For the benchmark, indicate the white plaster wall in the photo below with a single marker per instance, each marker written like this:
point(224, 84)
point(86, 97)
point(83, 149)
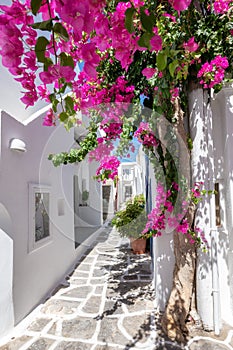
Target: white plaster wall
point(202, 170)
point(136, 179)
point(6, 272)
point(90, 215)
point(37, 272)
point(108, 203)
point(163, 268)
point(223, 141)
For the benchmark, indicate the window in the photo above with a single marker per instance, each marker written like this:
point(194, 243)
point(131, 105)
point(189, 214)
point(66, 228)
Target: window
point(126, 171)
point(39, 216)
point(217, 205)
point(128, 192)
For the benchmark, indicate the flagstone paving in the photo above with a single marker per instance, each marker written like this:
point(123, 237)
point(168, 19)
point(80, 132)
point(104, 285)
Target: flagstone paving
point(107, 304)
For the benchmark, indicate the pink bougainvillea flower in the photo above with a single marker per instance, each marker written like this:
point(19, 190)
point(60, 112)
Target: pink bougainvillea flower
point(156, 43)
point(221, 6)
point(213, 73)
point(180, 5)
point(174, 93)
point(56, 72)
point(172, 18)
point(29, 98)
point(190, 45)
point(145, 135)
point(149, 72)
point(183, 227)
point(49, 119)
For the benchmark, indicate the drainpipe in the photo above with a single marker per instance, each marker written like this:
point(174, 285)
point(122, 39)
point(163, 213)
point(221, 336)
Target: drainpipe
point(215, 279)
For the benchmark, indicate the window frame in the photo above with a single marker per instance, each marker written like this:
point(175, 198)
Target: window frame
point(34, 189)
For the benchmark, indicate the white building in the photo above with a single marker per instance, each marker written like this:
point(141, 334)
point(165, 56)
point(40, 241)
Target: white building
point(40, 237)
point(131, 181)
point(211, 129)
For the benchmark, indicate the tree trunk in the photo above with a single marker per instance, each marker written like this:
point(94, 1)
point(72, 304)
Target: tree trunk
point(180, 301)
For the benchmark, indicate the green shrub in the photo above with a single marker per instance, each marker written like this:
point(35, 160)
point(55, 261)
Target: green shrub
point(131, 221)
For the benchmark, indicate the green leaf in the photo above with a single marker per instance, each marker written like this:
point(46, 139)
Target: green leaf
point(159, 110)
point(40, 48)
point(61, 31)
point(172, 67)
point(52, 97)
point(129, 13)
point(190, 143)
point(63, 116)
point(54, 101)
point(161, 61)
point(69, 105)
point(148, 22)
point(45, 25)
point(35, 6)
point(66, 60)
point(62, 88)
point(54, 105)
point(47, 62)
point(144, 41)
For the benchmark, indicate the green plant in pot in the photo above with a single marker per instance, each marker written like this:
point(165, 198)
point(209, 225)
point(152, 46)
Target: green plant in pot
point(131, 221)
point(85, 196)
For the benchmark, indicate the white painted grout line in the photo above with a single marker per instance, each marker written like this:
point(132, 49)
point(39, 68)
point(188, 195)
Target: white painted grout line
point(216, 341)
point(54, 345)
point(229, 336)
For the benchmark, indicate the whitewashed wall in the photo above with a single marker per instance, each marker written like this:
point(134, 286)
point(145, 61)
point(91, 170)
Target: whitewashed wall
point(135, 179)
point(222, 107)
point(91, 214)
point(212, 130)
point(35, 272)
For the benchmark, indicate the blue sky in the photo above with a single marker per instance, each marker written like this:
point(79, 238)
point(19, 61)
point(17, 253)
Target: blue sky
point(133, 155)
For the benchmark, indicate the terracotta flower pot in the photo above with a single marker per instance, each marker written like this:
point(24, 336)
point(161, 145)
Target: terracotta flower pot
point(138, 245)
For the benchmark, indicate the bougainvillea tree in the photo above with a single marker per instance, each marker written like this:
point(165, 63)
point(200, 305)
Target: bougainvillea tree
point(138, 60)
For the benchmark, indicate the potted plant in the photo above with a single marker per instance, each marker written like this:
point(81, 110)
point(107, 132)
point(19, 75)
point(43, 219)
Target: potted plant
point(85, 196)
point(131, 221)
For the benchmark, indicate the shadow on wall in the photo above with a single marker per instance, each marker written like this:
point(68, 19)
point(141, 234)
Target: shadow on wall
point(6, 272)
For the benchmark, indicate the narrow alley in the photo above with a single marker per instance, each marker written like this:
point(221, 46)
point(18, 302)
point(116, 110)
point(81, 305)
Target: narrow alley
point(107, 303)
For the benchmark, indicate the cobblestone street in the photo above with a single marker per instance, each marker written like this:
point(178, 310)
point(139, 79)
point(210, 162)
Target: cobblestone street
point(108, 303)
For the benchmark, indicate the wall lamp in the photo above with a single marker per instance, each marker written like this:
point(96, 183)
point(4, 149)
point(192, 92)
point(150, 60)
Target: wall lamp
point(17, 145)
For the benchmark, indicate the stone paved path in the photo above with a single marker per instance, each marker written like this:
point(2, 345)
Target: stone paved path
point(108, 304)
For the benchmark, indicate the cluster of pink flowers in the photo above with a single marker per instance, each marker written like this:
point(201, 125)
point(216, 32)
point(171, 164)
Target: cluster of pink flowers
point(156, 219)
point(163, 216)
point(49, 119)
point(91, 93)
point(14, 27)
point(213, 73)
point(196, 190)
point(221, 6)
point(81, 20)
point(56, 72)
point(149, 72)
point(108, 168)
point(103, 149)
point(124, 43)
point(174, 93)
point(145, 135)
point(111, 129)
point(180, 5)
